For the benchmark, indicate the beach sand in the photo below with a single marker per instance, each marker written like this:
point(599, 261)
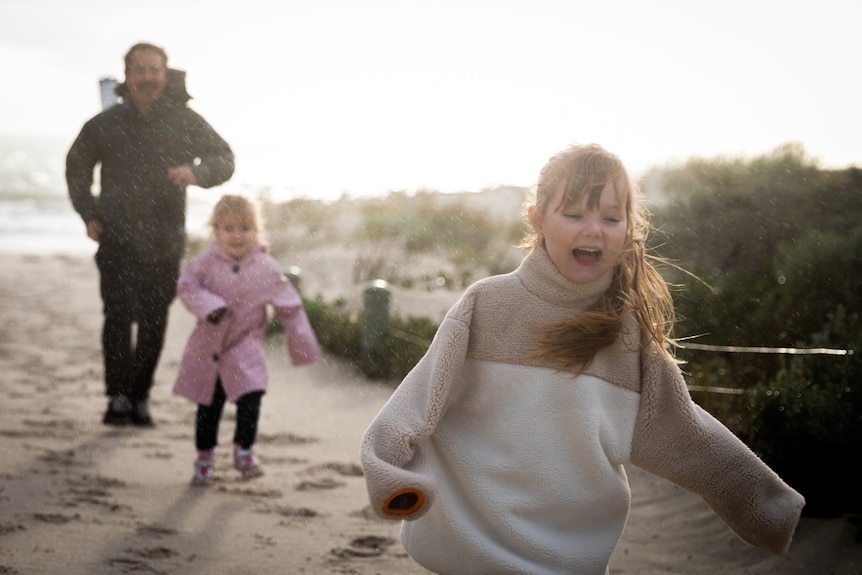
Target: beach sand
point(77, 497)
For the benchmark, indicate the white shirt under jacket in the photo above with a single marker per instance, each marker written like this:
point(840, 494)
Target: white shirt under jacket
point(521, 465)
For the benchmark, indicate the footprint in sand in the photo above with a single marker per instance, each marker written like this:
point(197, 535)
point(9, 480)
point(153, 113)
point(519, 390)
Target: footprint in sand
point(89, 496)
point(364, 547)
point(54, 429)
point(264, 540)
point(65, 458)
point(123, 565)
point(164, 455)
point(154, 450)
point(155, 531)
point(285, 439)
point(95, 482)
point(251, 492)
point(367, 514)
point(95, 497)
point(281, 460)
point(287, 511)
point(8, 528)
point(321, 483)
point(153, 552)
point(328, 482)
point(56, 518)
point(93, 490)
point(345, 469)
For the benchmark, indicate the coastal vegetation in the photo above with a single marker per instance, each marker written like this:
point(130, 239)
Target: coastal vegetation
point(773, 247)
point(766, 275)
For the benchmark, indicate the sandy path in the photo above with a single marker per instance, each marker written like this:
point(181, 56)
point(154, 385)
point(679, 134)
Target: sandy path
point(77, 497)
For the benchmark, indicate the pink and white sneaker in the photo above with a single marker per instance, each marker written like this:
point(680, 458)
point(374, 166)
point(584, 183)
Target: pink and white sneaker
point(246, 463)
point(204, 469)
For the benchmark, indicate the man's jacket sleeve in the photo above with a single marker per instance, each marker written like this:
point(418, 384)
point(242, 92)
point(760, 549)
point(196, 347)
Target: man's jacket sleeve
point(81, 160)
point(216, 159)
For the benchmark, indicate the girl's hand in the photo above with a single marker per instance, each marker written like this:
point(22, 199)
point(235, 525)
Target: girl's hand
point(215, 316)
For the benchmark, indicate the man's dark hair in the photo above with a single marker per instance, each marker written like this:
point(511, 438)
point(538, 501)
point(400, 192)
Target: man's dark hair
point(145, 47)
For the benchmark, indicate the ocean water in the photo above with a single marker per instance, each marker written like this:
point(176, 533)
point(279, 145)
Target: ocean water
point(36, 215)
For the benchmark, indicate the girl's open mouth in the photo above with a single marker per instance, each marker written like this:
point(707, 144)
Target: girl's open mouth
point(586, 256)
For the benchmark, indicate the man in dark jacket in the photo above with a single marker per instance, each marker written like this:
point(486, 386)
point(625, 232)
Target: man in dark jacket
point(151, 147)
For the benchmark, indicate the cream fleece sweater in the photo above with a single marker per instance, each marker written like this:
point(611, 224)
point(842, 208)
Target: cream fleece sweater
point(500, 465)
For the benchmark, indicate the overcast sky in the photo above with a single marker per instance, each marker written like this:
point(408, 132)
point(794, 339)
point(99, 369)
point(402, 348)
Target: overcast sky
point(331, 96)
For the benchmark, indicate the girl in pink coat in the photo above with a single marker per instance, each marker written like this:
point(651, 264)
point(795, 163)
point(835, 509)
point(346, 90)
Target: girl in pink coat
point(228, 288)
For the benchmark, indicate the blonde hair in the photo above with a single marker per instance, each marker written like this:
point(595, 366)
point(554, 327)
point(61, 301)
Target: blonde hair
point(636, 286)
point(246, 209)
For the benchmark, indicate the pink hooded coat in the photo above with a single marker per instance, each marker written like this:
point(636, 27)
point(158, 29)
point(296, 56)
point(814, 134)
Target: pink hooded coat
point(232, 349)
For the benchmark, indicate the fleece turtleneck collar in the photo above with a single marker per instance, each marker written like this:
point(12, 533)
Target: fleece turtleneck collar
point(542, 278)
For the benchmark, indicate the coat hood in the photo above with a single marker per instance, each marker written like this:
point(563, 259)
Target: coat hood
point(175, 93)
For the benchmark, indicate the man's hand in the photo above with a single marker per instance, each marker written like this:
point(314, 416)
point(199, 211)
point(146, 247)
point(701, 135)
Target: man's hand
point(94, 230)
point(182, 176)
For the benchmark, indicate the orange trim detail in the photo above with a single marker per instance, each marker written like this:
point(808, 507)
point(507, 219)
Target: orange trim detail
point(420, 500)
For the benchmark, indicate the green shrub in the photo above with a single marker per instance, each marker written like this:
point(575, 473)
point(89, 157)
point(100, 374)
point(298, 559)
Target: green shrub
point(778, 244)
point(400, 349)
point(472, 241)
point(336, 329)
point(807, 423)
point(339, 333)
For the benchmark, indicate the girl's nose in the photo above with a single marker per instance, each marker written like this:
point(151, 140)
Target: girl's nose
point(592, 227)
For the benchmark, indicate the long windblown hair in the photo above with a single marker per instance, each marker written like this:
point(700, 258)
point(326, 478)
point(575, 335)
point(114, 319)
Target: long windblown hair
point(636, 286)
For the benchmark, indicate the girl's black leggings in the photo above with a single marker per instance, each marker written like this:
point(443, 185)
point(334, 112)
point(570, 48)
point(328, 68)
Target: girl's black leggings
point(209, 417)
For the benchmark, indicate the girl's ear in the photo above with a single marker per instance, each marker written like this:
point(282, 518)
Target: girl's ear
point(535, 218)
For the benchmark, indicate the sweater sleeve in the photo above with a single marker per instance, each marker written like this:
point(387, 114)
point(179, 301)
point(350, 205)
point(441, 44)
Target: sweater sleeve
point(389, 451)
point(190, 289)
point(677, 440)
point(302, 345)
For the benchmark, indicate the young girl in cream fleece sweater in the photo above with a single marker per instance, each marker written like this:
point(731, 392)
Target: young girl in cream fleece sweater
point(504, 448)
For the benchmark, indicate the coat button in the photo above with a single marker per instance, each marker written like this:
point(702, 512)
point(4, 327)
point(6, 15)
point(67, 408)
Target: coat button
point(215, 357)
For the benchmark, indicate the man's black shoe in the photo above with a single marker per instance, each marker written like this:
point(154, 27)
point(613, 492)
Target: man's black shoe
point(140, 414)
point(119, 411)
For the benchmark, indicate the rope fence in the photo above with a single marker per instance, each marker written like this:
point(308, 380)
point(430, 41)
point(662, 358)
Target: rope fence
point(782, 350)
point(754, 349)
